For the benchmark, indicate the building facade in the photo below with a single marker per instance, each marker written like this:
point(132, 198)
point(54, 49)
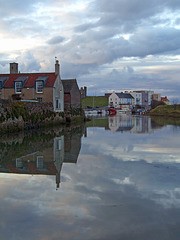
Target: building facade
point(72, 96)
point(43, 87)
point(83, 92)
point(120, 100)
point(156, 97)
point(137, 98)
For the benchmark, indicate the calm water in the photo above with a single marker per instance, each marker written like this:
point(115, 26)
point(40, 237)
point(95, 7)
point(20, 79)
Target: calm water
point(116, 178)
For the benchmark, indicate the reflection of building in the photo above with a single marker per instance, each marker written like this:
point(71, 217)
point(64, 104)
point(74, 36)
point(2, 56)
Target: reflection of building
point(122, 122)
point(141, 124)
point(125, 122)
point(47, 160)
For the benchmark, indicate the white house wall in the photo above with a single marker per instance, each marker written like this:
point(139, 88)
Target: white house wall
point(58, 93)
point(114, 99)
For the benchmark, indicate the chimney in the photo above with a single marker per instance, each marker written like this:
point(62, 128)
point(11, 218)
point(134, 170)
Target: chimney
point(13, 68)
point(57, 68)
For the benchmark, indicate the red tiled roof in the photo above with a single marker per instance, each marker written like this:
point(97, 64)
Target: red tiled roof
point(164, 99)
point(30, 82)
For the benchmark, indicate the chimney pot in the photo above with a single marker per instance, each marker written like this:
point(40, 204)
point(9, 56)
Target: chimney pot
point(13, 68)
point(57, 68)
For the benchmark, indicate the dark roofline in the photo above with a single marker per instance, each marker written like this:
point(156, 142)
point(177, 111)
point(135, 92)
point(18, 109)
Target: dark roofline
point(124, 95)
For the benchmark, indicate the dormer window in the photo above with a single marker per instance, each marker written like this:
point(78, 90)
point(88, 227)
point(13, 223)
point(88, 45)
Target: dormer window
point(39, 86)
point(18, 87)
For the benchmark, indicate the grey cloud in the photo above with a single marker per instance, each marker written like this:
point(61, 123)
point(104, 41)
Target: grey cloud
point(154, 41)
point(84, 27)
point(137, 9)
point(15, 7)
point(127, 15)
point(97, 39)
point(178, 21)
point(77, 70)
point(128, 69)
point(30, 63)
point(56, 40)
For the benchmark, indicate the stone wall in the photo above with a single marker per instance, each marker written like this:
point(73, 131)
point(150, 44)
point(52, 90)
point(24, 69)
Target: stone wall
point(32, 107)
point(17, 115)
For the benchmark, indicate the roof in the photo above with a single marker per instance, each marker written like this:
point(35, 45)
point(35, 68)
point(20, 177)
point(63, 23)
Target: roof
point(68, 84)
point(124, 95)
point(164, 99)
point(28, 79)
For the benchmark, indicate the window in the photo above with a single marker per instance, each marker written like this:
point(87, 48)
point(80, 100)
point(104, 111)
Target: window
point(39, 86)
point(0, 84)
point(39, 99)
point(18, 87)
point(19, 163)
point(40, 162)
point(58, 103)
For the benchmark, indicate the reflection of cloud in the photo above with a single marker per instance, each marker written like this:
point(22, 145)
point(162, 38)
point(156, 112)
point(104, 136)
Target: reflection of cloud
point(126, 180)
point(103, 196)
point(168, 199)
point(157, 147)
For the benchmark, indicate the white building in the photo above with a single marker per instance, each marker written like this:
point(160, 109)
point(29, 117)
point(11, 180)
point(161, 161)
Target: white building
point(120, 100)
point(137, 98)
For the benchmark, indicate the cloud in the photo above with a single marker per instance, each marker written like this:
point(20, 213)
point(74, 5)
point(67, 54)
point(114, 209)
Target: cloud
point(56, 40)
point(91, 38)
point(30, 63)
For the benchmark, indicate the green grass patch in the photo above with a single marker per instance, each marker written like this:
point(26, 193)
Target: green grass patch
point(95, 101)
point(166, 110)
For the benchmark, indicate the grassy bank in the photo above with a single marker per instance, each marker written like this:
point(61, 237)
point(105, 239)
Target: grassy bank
point(166, 111)
point(95, 101)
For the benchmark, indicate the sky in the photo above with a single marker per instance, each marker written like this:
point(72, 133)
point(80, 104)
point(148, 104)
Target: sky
point(106, 45)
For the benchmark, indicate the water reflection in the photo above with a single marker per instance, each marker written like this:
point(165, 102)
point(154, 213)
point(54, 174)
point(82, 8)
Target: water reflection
point(118, 185)
point(134, 124)
point(41, 153)
point(126, 123)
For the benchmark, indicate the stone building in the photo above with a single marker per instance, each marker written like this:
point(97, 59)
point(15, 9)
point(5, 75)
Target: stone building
point(72, 96)
point(83, 92)
point(43, 87)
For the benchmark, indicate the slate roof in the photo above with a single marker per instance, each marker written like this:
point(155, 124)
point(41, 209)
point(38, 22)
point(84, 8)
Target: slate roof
point(68, 84)
point(124, 95)
point(28, 79)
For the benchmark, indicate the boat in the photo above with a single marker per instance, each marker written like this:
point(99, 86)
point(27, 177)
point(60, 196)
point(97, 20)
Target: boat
point(112, 112)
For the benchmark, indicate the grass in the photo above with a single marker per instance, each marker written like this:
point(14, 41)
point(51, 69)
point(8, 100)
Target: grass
point(166, 110)
point(95, 101)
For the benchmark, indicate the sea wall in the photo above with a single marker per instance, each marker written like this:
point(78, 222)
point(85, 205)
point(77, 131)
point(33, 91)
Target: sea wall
point(17, 115)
